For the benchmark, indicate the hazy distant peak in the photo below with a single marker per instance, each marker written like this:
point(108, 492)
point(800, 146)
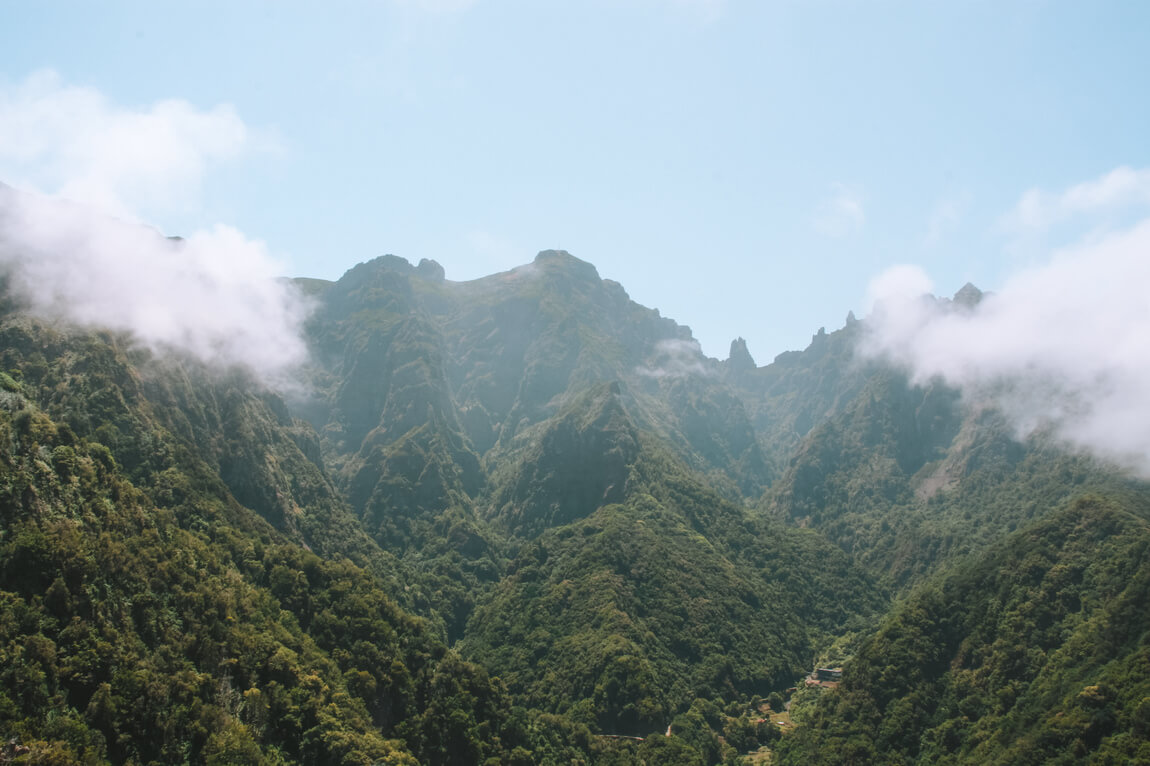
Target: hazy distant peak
point(561, 259)
point(740, 358)
point(430, 270)
point(389, 262)
point(427, 269)
point(968, 296)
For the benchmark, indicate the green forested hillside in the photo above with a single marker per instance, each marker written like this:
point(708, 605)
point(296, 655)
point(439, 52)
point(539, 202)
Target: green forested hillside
point(1036, 652)
point(908, 478)
point(525, 520)
point(148, 617)
point(666, 594)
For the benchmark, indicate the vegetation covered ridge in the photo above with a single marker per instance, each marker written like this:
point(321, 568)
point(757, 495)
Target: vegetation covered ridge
point(525, 520)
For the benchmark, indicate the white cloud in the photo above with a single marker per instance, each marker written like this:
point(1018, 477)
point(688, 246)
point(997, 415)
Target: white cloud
point(897, 285)
point(842, 213)
point(1064, 345)
point(214, 295)
point(1120, 190)
point(675, 358)
point(70, 141)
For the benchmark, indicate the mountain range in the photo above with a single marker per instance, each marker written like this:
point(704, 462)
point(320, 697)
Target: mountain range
point(523, 519)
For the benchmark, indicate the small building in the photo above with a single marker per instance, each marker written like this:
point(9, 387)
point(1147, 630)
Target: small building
point(828, 674)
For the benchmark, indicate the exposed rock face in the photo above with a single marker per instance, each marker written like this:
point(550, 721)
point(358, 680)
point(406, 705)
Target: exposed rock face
point(740, 359)
point(567, 263)
point(430, 270)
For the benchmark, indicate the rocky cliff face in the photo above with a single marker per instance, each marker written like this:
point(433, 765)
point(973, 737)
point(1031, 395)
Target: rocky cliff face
point(424, 381)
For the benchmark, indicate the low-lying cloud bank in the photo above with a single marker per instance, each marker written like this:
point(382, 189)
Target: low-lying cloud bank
point(1064, 345)
point(215, 296)
point(72, 248)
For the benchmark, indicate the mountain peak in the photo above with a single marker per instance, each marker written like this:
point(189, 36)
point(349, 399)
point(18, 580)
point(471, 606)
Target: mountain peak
point(430, 270)
point(968, 296)
point(392, 263)
point(561, 259)
point(740, 358)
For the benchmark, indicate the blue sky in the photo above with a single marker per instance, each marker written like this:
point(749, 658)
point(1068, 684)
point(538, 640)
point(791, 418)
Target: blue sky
point(745, 167)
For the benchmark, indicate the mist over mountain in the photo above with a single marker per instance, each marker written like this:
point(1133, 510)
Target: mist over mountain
point(215, 296)
point(524, 519)
point(1061, 346)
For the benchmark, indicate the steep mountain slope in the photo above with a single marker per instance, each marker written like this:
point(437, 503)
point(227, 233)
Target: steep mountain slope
point(580, 461)
point(147, 616)
point(799, 390)
point(586, 410)
point(649, 590)
point(1035, 653)
point(910, 478)
point(477, 363)
point(429, 390)
point(161, 415)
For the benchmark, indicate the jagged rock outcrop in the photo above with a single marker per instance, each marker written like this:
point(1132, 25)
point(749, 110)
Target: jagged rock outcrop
point(739, 359)
point(968, 296)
